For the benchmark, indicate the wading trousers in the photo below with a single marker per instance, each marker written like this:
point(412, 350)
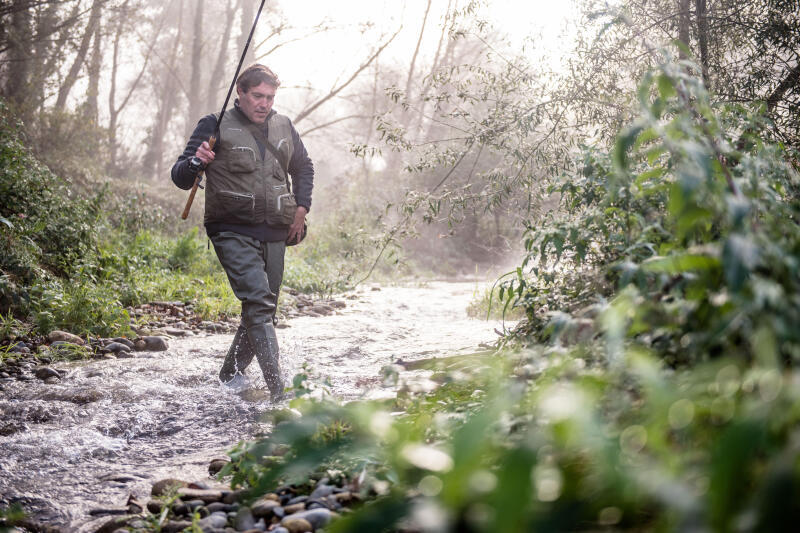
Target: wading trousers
point(255, 273)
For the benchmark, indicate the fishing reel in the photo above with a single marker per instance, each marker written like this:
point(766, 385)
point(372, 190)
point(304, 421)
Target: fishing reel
point(196, 166)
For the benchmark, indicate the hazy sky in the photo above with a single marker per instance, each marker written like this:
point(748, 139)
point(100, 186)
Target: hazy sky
point(319, 60)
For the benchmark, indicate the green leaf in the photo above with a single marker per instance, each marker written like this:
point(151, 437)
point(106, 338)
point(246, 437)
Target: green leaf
point(666, 86)
point(676, 264)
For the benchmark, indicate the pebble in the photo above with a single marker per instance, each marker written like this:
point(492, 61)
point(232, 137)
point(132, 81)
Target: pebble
point(161, 487)
point(317, 518)
point(264, 508)
point(155, 343)
point(207, 496)
point(58, 335)
point(123, 340)
point(298, 499)
point(216, 465)
point(117, 347)
point(321, 491)
point(45, 372)
point(174, 526)
point(297, 525)
point(217, 520)
point(294, 508)
point(244, 520)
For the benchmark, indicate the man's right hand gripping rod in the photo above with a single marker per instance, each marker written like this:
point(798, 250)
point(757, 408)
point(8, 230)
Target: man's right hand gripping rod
point(197, 180)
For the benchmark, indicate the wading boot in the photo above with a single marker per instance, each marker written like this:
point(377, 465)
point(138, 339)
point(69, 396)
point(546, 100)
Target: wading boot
point(240, 354)
point(265, 345)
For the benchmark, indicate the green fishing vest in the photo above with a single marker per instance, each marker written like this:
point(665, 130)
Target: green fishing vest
point(241, 186)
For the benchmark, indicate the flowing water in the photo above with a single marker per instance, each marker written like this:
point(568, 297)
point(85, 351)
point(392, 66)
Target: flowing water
point(111, 428)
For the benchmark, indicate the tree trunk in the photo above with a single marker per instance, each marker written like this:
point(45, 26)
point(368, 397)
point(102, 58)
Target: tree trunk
point(248, 14)
point(15, 88)
point(153, 162)
point(196, 74)
point(80, 56)
point(416, 52)
point(701, 11)
point(218, 81)
point(683, 26)
point(95, 64)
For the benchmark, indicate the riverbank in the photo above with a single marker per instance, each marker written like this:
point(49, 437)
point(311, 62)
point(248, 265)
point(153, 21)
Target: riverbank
point(111, 428)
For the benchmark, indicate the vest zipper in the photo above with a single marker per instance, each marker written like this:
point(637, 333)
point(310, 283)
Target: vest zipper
point(241, 196)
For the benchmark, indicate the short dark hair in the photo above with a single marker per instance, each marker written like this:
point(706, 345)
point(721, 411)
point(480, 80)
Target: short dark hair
point(256, 74)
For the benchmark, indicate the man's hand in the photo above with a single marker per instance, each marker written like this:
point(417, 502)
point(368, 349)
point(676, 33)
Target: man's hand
point(296, 229)
point(204, 153)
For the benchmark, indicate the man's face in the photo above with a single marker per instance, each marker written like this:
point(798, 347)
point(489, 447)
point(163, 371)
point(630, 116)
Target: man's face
point(257, 102)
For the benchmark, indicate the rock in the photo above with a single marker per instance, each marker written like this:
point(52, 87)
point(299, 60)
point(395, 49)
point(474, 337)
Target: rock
point(278, 512)
point(52, 380)
point(294, 508)
point(220, 507)
point(296, 525)
point(317, 518)
point(123, 340)
point(107, 512)
point(155, 344)
point(321, 491)
point(233, 497)
point(208, 496)
point(280, 530)
point(174, 526)
point(114, 524)
point(217, 520)
point(58, 335)
point(337, 304)
point(263, 508)
point(297, 499)
point(344, 497)
point(139, 345)
point(244, 519)
point(163, 486)
point(176, 332)
point(216, 465)
point(45, 372)
point(117, 347)
point(155, 506)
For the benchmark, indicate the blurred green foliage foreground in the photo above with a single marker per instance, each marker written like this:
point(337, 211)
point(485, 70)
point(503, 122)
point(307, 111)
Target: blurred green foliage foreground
point(653, 384)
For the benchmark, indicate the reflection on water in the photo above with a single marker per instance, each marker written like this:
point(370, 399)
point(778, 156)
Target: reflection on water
point(112, 427)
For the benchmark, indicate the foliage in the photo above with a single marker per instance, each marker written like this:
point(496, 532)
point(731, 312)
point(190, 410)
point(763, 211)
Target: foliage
point(668, 286)
point(67, 264)
point(692, 217)
point(560, 446)
point(10, 517)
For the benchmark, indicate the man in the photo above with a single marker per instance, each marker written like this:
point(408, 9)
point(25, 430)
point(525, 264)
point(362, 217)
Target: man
point(252, 211)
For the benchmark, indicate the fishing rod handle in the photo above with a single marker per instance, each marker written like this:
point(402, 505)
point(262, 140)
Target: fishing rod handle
point(197, 180)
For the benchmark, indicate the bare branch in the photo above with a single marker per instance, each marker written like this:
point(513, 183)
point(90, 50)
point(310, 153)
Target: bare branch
point(333, 92)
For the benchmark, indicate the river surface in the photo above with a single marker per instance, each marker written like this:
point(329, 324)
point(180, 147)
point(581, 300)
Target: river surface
point(111, 428)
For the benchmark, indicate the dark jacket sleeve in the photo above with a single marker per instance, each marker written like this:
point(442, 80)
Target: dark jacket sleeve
point(181, 175)
point(301, 168)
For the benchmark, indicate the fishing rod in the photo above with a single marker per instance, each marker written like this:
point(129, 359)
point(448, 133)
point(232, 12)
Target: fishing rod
point(195, 161)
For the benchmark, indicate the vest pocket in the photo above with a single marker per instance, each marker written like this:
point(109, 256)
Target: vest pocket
point(241, 160)
point(281, 205)
point(237, 207)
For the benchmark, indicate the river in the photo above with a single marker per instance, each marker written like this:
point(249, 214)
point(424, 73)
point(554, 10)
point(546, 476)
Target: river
point(111, 428)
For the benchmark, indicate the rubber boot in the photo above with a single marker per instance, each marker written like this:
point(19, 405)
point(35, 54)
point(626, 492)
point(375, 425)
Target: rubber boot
point(265, 345)
point(240, 354)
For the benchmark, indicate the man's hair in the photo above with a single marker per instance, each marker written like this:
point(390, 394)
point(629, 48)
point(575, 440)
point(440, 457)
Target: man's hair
point(254, 75)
